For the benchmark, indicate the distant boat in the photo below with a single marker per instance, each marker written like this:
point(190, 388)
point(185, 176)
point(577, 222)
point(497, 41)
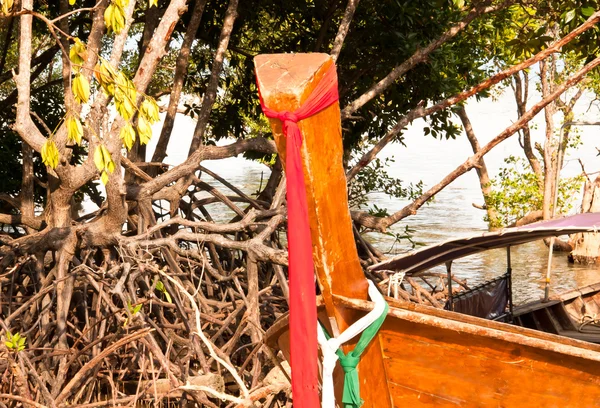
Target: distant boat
point(421, 356)
point(574, 314)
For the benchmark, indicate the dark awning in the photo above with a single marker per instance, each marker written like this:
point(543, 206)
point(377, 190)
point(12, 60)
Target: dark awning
point(434, 255)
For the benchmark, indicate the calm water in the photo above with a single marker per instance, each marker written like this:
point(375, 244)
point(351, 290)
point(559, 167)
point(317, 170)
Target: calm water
point(451, 214)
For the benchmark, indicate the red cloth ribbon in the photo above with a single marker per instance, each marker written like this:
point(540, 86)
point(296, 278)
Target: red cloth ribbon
point(303, 302)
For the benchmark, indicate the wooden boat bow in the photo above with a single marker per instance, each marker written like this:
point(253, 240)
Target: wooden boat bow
point(422, 357)
point(285, 82)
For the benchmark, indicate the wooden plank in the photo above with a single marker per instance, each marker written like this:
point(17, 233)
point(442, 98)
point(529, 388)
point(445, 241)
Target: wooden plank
point(563, 317)
point(446, 319)
point(432, 367)
point(530, 307)
point(286, 81)
point(405, 396)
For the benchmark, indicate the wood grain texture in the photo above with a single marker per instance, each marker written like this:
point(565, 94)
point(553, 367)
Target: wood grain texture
point(286, 81)
point(432, 367)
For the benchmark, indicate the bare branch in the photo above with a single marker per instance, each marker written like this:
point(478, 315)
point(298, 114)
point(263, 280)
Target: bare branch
point(343, 30)
point(211, 90)
point(180, 73)
point(193, 163)
point(24, 126)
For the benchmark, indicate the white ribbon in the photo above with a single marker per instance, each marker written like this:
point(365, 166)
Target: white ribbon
point(395, 281)
point(329, 347)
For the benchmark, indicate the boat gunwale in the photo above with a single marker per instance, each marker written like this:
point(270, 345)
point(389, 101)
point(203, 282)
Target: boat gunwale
point(445, 319)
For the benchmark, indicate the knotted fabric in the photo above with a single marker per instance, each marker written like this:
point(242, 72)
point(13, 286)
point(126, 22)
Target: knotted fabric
point(367, 326)
point(303, 303)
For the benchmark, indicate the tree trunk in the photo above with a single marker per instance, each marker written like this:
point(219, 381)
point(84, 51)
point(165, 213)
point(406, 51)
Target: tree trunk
point(521, 90)
point(484, 178)
point(587, 246)
point(550, 157)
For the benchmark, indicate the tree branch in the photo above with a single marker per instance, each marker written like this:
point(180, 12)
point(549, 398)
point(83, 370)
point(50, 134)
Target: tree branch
point(180, 73)
point(24, 125)
point(420, 111)
point(411, 209)
point(211, 90)
point(193, 162)
point(344, 28)
point(419, 56)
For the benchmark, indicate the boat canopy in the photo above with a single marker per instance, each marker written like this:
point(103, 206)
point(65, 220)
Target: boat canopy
point(430, 256)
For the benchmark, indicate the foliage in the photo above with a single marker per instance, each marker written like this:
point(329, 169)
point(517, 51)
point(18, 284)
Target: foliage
point(374, 178)
point(160, 286)
point(15, 342)
point(516, 192)
point(407, 234)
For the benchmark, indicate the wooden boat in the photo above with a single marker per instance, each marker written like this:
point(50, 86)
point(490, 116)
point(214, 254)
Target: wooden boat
point(421, 356)
point(574, 314)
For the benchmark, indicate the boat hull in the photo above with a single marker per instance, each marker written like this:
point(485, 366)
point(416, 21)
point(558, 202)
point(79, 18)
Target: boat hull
point(437, 358)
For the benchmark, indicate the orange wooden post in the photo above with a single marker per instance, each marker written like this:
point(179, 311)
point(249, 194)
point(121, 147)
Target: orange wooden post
point(285, 81)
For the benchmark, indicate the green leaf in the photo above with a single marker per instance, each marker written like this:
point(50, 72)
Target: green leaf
point(160, 286)
point(15, 342)
point(569, 15)
point(587, 11)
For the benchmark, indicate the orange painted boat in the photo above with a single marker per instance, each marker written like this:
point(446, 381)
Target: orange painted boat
point(421, 356)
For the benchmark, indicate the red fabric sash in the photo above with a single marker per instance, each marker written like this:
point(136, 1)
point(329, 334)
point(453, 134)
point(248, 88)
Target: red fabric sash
point(303, 310)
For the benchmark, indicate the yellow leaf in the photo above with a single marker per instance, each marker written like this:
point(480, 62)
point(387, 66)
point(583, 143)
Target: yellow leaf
point(72, 2)
point(150, 109)
point(118, 17)
point(154, 3)
point(144, 130)
point(6, 5)
point(49, 154)
point(121, 3)
point(78, 53)
point(81, 88)
point(125, 96)
point(104, 178)
point(109, 165)
point(99, 158)
point(75, 130)
point(106, 75)
point(127, 134)
point(124, 107)
point(105, 155)
point(108, 17)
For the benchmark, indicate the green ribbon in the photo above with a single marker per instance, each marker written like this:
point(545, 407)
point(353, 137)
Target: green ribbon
point(349, 362)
